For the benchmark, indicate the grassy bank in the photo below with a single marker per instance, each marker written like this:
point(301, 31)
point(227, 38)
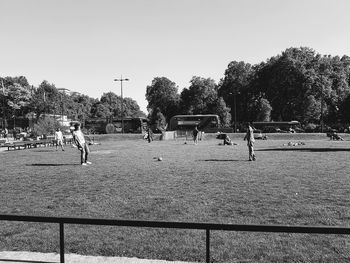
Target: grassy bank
point(301, 185)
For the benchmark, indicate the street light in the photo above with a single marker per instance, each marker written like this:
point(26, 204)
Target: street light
point(63, 91)
point(121, 93)
point(3, 122)
point(235, 109)
point(322, 110)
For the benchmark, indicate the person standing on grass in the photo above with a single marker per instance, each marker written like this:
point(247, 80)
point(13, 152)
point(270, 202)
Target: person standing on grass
point(149, 135)
point(59, 139)
point(14, 134)
point(195, 135)
point(79, 140)
point(249, 136)
point(6, 133)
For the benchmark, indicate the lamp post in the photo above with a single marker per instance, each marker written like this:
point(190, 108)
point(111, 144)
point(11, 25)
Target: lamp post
point(63, 92)
point(322, 110)
point(234, 93)
point(121, 93)
point(61, 109)
point(3, 122)
point(323, 81)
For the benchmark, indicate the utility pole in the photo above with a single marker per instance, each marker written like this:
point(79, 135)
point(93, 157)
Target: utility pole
point(121, 93)
point(234, 100)
point(3, 123)
point(234, 93)
point(322, 109)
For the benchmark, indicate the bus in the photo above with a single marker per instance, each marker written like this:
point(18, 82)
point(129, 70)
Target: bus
point(131, 125)
point(208, 123)
point(277, 126)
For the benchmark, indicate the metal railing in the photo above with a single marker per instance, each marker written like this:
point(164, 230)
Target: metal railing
point(179, 225)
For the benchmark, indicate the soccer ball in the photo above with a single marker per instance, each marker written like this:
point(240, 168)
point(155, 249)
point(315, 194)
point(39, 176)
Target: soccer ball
point(160, 159)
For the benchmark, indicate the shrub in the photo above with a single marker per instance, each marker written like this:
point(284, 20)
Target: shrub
point(45, 126)
point(310, 127)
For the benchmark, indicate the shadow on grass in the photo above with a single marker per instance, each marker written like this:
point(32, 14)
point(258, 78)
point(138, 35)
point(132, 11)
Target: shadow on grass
point(25, 261)
point(44, 151)
point(52, 164)
point(306, 149)
point(222, 160)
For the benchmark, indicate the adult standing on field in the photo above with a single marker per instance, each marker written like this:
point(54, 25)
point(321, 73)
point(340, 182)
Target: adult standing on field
point(195, 134)
point(149, 135)
point(79, 140)
point(249, 136)
point(6, 133)
point(59, 139)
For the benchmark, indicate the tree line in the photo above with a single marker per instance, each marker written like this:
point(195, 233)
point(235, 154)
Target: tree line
point(298, 84)
point(19, 98)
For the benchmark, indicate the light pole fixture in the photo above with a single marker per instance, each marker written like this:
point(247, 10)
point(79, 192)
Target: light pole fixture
point(3, 122)
point(234, 93)
point(321, 122)
point(121, 93)
point(63, 91)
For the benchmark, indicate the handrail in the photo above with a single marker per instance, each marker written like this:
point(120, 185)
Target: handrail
point(179, 225)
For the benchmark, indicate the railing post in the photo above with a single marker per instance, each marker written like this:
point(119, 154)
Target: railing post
point(207, 245)
point(61, 243)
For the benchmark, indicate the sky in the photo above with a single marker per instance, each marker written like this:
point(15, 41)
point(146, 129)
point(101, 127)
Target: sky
point(83, 45)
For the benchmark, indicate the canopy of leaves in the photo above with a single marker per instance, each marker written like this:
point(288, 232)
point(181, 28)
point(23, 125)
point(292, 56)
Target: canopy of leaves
point(162, 95)
point(200, 98)
point(295, 85)
point(45, 126)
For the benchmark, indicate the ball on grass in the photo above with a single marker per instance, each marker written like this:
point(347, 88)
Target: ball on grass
point(160, 158)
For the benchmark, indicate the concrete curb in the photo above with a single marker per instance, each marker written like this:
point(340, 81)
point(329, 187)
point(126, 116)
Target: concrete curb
point(35, 257)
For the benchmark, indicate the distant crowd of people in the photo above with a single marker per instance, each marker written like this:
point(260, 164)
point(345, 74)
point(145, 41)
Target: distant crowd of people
point(79, 141)
point(16, 134)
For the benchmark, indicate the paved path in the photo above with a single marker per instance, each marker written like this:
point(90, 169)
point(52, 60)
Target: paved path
point(35, 257)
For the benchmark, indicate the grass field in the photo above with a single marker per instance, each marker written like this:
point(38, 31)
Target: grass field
point(301, 185)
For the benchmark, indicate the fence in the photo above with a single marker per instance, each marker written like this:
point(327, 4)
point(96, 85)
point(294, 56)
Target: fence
point(179, 225)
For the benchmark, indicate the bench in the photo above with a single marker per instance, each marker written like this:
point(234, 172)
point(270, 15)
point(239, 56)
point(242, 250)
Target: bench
point(17, 145)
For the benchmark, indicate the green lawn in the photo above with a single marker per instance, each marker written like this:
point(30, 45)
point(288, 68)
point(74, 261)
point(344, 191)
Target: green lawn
point(301, 185)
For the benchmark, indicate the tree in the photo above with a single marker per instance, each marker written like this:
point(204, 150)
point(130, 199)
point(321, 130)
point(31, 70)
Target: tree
point(286, 81)
point(110, 106)
point(263, 110)
point(336, 74)
point(46, 125)
point(158, 120)
point(237, 82)
point(224, 113)
point(200, 98)
point(312, 110)
point(162, 96)
point(345, 110)
point(21, 80)
point(45, 99)
point(132, 109)
point(17, 98)
point(100, 110)
point(82, 107)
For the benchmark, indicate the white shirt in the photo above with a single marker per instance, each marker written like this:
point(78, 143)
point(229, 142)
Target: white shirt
point(58, 135)
point(79, 137)
point(250, 135)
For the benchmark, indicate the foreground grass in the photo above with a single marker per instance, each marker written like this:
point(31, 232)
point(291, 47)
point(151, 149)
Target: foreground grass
point(303, 185)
